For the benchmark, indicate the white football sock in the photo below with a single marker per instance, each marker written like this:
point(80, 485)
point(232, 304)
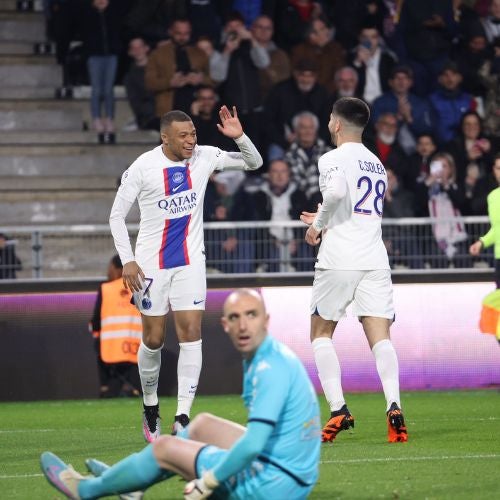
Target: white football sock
point(188, 374)
point(328, 367)
point(149, 363)
point(388, 370)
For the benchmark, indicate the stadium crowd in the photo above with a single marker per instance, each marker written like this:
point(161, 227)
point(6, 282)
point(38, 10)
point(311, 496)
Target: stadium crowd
point(429, 69)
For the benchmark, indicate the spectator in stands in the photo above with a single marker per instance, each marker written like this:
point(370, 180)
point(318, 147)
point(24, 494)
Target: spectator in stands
point(280, 199)
point(491, 23)
point(385, 144)
point(446, 199)
point(428, 27)
point(302, 92)
point(320, 47)
point(490, 76)
point(351, 15)
point(471, 150)
point(413, 113)
point(117, 331)
point(449, 103)
point(492, 237)
point(400, 241)
point(470, 58)
point(205, 115)
point(478, 203)
point(141, 100)
point(346, 83)
point(292, 18)
point(303, 155)
point(205, 17)
point(373, 62)
point(9, 262)
point(148, 19)
point(175, 69)
point(231, 250)
point(238, 71)
point(279, 65)
point(418, 166)
point(101, 41)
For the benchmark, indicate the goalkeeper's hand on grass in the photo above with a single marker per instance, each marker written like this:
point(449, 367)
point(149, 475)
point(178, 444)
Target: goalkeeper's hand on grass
point(203, 487)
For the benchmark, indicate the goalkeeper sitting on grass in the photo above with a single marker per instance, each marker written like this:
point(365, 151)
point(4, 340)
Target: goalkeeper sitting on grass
point(276, 455)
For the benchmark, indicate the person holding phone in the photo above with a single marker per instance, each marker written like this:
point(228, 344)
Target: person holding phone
point(373, 63)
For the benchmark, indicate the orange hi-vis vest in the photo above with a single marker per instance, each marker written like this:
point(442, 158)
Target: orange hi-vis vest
point(121, 325)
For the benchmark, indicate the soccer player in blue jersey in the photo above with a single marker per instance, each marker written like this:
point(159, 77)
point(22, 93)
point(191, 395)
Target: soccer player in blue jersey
point(275, 456)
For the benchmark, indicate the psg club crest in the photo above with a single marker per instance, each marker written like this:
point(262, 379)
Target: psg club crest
point(178, 177)
point(146, 303)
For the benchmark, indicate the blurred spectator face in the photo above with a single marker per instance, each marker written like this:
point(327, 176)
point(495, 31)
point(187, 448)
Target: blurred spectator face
point(279, 175)
point(262, 30)
point(495, 9)
point(305, 80)
point(180, 33)
point(450, 79)
point(448, 172)
point(471, 127)
point(346, 80)
point(234, 26)
point(206, 45)
point(307, 131)
point(320, 33)
point(369, 38)
point(386, 127)
point(207, 99)
point(425, 146)
point(477, 44)
point(401, 83)
point(496, 170)
point(138, 50)
point(100, 4)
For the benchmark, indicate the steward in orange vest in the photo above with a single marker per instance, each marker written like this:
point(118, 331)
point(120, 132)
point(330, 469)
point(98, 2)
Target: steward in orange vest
point(117, 329)
point(121, 325)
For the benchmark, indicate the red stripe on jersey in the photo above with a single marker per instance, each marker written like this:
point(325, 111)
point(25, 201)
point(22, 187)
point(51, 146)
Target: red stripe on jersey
point(188, 175)
point(161, 254)
point(186, 254)
point(165, 182)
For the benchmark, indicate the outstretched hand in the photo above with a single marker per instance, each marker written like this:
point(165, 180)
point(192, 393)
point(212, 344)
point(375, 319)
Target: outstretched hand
point(230, 124)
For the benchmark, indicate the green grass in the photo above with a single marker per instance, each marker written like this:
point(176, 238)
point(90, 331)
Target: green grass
point(453, 452)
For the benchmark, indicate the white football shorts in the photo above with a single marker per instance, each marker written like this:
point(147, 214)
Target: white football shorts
point(370, 291)
point(180, 288)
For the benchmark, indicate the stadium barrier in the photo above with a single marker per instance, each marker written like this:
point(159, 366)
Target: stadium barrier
point(436, 335)
point(239, 248)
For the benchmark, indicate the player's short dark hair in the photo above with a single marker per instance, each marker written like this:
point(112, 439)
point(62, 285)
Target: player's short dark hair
point(173, 116)
point(352, 110)
point(117, 262)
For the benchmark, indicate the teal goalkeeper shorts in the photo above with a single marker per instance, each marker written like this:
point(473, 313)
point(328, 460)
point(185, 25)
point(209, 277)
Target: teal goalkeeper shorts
point(259, 481)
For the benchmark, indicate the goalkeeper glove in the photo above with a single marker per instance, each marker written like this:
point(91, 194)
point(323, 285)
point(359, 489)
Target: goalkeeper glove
point(197, 489)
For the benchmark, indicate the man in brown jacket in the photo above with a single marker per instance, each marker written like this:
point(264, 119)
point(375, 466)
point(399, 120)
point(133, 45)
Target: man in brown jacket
point(175, 69)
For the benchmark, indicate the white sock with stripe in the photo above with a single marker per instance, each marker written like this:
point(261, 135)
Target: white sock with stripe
point(188, 374)
point(149, 363)
point(328, 367)
point(388, 370)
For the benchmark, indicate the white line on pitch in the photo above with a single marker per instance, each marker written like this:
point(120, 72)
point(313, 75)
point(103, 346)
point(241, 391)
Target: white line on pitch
point(408, 459)
point(21, 476)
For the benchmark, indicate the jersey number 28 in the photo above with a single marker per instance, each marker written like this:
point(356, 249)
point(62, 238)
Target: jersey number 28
point(364, 204)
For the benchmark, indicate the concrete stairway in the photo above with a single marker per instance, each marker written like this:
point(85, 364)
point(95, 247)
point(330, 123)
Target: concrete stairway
point(52, 169)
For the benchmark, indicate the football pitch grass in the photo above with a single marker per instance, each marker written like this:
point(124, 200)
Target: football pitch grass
point(453, 451)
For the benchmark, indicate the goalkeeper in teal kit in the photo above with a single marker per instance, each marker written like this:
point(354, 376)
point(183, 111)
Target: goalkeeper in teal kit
point(275, 456)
